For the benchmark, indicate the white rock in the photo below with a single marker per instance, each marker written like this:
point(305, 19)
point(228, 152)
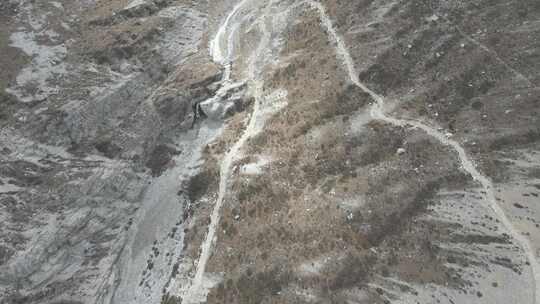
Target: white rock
point(134, 4)
point(433, 18)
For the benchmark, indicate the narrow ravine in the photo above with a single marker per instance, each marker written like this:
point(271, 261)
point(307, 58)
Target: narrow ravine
point(269, 151)
point(377, 112)
point(196, 292)
point(215, 44)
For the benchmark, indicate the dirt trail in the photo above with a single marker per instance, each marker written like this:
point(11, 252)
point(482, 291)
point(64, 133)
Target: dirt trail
point(377, 112)
point(196, 293)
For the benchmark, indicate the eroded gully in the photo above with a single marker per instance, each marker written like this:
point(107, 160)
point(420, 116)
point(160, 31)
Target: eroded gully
point(196, 292)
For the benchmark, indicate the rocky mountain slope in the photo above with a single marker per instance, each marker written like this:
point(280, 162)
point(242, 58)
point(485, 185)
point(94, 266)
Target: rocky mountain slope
point(279, 151)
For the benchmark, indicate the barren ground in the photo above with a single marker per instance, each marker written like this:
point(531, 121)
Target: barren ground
point(171, 151)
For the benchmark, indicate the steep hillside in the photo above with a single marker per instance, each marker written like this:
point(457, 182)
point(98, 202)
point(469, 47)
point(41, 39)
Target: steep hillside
point(279, 151)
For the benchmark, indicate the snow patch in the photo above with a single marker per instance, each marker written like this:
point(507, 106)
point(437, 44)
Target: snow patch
point(255, 168)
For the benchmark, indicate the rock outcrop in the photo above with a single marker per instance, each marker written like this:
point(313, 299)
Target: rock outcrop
point(299, 151)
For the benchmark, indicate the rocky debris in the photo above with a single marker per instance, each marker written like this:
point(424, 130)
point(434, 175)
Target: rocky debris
point(135, 9)
point(394, 218)
point(161, 158)
point(72, 225)
point(114, 154)
point(9, 8)
point(229, 99)
point(76, 164)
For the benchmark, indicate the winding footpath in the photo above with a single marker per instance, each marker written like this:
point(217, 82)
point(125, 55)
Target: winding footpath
point(377, 112)
point(197, 292)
